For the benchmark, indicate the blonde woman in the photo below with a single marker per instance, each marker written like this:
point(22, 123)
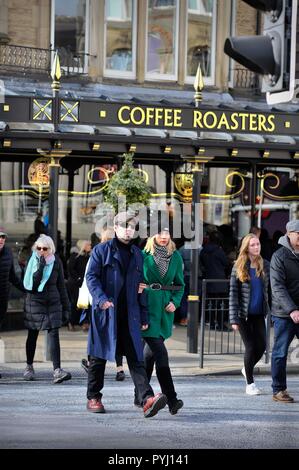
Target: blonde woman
point(164, 283)
point(45, 302)
point(249, 304)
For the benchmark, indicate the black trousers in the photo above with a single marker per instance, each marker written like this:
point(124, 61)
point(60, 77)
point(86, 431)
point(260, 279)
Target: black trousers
point(119, 360)
point(75, 315)
point(3, 310)
point(53, 343)
point(124, 346)
point(155, 353)
point(253, 334)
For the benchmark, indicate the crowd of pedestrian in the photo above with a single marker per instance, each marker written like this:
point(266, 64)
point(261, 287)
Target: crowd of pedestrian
point(133, 297)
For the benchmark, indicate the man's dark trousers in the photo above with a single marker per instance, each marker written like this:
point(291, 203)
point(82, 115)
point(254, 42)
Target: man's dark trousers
point(124, 346)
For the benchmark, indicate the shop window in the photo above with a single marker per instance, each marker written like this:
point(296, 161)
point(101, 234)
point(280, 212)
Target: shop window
point(120, 38)
point(201, 39)
point(162, 40)
point(69, 32)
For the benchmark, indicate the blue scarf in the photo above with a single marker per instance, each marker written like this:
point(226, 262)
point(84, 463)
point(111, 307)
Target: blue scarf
point(32, 267)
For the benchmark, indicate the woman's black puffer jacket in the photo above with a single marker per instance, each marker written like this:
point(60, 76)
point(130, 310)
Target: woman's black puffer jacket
point(45, 310)
point(239, 295)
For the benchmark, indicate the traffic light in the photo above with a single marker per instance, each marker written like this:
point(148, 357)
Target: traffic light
point(272, 54)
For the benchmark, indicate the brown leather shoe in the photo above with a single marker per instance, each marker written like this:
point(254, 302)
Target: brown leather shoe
point(154, 404)
point(95, 406)
point(283, 396)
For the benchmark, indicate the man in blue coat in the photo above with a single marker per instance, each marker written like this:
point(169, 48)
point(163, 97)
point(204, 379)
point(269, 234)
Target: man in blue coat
point(119, 313)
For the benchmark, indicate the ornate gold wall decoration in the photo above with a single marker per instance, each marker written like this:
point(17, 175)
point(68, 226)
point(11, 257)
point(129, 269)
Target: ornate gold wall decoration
point(275, 186)
point(107, 174)
point(38, 174)
point(183, 184)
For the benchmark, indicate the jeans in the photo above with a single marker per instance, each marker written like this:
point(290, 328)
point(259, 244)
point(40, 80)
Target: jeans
point(54, 344)
point(284, 332)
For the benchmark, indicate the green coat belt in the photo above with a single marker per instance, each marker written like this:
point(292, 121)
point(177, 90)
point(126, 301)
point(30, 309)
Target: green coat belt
point(160, 321)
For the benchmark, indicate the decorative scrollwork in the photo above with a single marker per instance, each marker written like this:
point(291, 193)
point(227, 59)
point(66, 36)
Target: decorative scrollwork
point(275, 185)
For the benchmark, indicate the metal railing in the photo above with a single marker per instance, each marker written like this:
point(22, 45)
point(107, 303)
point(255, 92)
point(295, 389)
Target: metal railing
point(216, 334)
point(23, 59)
point(246, 82)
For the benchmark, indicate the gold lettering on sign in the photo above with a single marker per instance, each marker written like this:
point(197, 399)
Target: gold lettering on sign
point(177, 115)
point(271, 119)
point(253, 122)
point(121, 117)
point(164, 117)
point(135, 112)
point(234, 119)
point(223, 122)
point(214, 120)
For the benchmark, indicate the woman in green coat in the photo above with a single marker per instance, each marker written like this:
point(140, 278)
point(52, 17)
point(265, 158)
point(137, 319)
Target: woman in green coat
point(164, 283)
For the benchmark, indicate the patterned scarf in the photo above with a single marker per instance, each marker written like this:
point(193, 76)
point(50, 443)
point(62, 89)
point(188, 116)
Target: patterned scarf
point(162, 259)
point(32, 267)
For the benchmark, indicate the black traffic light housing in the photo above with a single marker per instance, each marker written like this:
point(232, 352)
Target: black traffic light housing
point(272, 54)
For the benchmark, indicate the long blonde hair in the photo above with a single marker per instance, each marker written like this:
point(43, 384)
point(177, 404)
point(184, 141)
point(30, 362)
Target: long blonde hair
point(151, 244)
point(241, 263)
point(81, 246)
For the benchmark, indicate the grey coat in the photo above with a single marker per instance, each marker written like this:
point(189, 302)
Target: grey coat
point(284, 274)
point(45, 310)
point(239, 295)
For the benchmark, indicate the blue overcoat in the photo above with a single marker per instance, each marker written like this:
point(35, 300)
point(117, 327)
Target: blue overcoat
point(105, 278)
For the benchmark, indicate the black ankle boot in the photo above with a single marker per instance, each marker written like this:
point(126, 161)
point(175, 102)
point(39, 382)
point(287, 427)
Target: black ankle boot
point(174, 406)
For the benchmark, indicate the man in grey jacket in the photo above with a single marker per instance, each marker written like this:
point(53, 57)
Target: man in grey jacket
point(284, 274)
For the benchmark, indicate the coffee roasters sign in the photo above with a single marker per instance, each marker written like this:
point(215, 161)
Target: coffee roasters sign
point(188, 118)
point(103, 113)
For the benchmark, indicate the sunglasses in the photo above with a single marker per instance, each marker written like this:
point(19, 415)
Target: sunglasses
point(3, 236)
point(44, 248)
point(127, 225)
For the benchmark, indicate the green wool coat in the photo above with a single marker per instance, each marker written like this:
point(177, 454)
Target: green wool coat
point(160, 321)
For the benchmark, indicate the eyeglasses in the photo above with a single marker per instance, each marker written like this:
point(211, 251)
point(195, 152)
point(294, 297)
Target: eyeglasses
point(126, 225)
point(44, 248)
point(3, 236)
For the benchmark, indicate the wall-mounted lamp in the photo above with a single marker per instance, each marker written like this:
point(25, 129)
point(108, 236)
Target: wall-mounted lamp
point(266, 154)
point(96, 147)
point(6, 143)
point(132, 148)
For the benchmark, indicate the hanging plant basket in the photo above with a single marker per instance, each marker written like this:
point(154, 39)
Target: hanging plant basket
point(128, 182)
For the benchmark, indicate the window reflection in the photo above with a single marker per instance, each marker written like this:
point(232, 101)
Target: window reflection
point(70, 31)
point(161, 39)
point(200, 32)
point(119, 35)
